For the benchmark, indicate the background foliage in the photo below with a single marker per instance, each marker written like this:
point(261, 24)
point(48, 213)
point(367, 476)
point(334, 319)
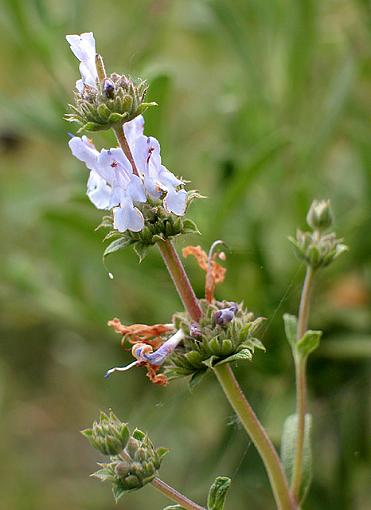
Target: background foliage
point(264, 105)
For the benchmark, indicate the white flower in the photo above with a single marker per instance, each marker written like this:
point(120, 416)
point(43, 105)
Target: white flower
point(83, 47)
point(111, 184)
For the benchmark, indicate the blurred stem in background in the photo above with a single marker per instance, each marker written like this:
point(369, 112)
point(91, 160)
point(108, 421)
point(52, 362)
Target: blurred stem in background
point(259, 437)
point(175, 496)
point(301, 382)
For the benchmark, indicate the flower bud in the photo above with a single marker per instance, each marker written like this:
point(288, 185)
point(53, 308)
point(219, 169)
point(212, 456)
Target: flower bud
point(320, 216)
point(225, 315)
point(134, 466)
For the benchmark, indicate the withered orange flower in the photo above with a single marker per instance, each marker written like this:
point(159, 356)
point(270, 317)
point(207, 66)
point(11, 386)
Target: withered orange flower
point(143, 333)
point(215, 273)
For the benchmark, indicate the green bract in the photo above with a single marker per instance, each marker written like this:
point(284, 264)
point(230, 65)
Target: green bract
point(133, 464)
point(213, 344)
point(317, 250)
point(117, 99)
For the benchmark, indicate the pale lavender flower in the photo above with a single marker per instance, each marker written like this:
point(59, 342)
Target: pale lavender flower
point(111, 184)
point(157, 178)
point(83, 47)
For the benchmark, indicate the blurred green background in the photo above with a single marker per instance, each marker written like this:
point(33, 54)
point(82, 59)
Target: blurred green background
point(264, 105)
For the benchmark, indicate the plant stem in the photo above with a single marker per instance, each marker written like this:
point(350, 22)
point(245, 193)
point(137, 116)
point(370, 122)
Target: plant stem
point(301, 384)
point(180, 279)
point(121, 138)
point(258, 435)
point(174, 495)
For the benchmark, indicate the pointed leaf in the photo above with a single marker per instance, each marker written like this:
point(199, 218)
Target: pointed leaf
point(242, 355)
point(308, 343)
point(288, 447)
point(161, 452)
point(141, 250)
point(218, 493)
point(117, 244)
point(291, 328)
point(118, 491)
point(175, 507)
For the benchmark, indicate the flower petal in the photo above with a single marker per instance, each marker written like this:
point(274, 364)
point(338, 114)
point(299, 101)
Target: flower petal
point(98, 191)
point(83, 47)
point(85, 151)
point(128, 217)
point(135, 189)
point(176, 201)
point(114, 167)
point(134, 129)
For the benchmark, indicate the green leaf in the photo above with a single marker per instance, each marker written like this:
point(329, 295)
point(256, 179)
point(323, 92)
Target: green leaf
point(308, 343)
point(141, 250)
point(218, 493)
point(288, 448)
point(190, 227)
point(196, 378)
point(291, 328)
point(242, 355)
point(139, 434)
point(118, 491)
point(162, 451)
point(103, 474)
point(117, 244)
point(175, 507)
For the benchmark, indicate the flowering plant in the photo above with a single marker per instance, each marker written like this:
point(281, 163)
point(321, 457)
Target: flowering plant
point(146, 205)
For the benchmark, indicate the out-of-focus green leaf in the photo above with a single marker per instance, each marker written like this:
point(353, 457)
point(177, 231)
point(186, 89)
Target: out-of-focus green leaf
point(288, 448)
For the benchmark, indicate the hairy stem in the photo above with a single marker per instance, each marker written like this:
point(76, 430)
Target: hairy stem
point(301, 384)
point(175, 496)
point(121, 138)
point(258, 435)
point(180, 279)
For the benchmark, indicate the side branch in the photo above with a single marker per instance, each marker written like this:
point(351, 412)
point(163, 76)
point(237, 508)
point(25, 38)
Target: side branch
point(175, 496)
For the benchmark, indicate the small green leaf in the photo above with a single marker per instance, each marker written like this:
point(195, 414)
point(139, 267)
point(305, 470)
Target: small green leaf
point(138, 434)
point(117, 244)
point(291, 328)
point(242, 355)
point(288, 448)
point(308, 343)
point(141, 250)
point(117, 117)
point(161, 452)
point(118, 491)
point(218, 493)
point(190, 227)
point(175, 507)
point(103, 474)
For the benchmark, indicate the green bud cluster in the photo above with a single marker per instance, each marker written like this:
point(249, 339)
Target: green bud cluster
point(316, 248)
point(108, 435)
point(115, 100)
point(159, 225)
point(208, 343)
point(133, 463)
